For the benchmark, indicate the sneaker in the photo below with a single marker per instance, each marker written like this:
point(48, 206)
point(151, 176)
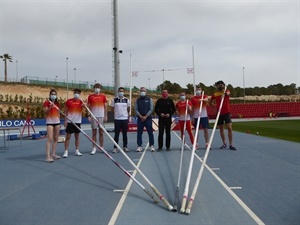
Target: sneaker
point(65, 154)
point(159, 149)
point(126, 149)
point(168, 149)
point(206, 147)
point(115, 150)
point(93, 152)
point(139, 149)
point(152, 149)
point(223, 146)
point(231, 147)
point(55, 156)
point(197, 147)
point(77, 153)
point(49, 160)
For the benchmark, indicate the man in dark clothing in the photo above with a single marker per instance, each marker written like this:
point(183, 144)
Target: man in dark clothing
point(143, 110)
point(164, 108)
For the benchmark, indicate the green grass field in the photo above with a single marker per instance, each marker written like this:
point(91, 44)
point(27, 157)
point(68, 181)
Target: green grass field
point(288, 130)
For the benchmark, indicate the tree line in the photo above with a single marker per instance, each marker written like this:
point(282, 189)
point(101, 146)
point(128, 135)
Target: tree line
point(275, 89)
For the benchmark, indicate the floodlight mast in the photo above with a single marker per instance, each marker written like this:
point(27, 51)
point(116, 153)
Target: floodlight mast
point(116, 50)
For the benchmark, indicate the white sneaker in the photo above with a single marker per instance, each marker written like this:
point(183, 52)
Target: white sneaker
point(139, 149)
point(115, 150)
point(65, 154)
point(93, 152)
point(77, 153)
point(126, 149)
point(152, 149)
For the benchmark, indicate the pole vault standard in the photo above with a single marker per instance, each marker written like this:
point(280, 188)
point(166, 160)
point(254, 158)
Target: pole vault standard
point(180, 162)
point(188, 179)
point(191, 201)
point(108, 156)
point(155, 190)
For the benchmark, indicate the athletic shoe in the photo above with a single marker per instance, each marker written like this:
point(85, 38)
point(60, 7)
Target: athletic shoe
point(55, 156)
point(139, 149)
point(93, 152)
point(159, 149)
point(206, 147)
point(223, 146)
point(49, 160)
point(152, 149)
point(65, 154)
point(168, 149)
point(115, 150)
point(77, 153)
point(126, 149)
point(197, 147)
point(231, 147)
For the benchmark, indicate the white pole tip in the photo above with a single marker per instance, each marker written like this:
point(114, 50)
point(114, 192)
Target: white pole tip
point(170, 207)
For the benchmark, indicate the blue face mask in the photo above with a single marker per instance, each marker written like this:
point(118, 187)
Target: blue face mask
point(182, 97)
point(198, 93)
point(97, 90)
point(52, 97)
point(76, 96)
point(143, 93)
point(121, 94)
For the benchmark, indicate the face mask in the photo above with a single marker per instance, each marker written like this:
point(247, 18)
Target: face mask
point(198, 93)
point(121, 94)
point(164, 95)
point(143, 93)
point(76, 96)
point(182, 97)
point(97, 90)
point(220, 88)
point(52, 97)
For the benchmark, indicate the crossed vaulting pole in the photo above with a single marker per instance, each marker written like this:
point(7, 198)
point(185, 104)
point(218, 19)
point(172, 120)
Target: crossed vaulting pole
point(116, 163)
point(180, 162)
point(188, 179)
point(193, 195)
point(155, 190)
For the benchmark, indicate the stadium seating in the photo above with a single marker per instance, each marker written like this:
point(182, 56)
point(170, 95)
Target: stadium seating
point(260, 110)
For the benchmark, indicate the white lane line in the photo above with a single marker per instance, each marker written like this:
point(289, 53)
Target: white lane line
point(235, 188)
point(242, 204)
point(118, 190)
point(215, 169)
point(116, 213)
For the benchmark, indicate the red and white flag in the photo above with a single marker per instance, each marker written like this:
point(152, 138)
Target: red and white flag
point(190, 70)
point(134, 73)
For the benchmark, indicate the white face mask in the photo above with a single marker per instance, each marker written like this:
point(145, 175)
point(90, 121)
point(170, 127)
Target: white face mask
point(182, 97)
point(143, 93)
point(76, 96)
point(198, 92)
point(121, 94)
point(52, 97)
point(97, 90)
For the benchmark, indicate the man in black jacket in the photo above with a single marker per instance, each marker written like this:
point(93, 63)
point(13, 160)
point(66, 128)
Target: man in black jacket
point(164, 108)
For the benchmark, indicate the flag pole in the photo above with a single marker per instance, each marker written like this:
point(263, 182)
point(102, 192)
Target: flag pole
point(130, 88)
point(193, 70)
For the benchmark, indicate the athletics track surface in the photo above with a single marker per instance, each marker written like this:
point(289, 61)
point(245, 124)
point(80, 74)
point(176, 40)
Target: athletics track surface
point(264, 175)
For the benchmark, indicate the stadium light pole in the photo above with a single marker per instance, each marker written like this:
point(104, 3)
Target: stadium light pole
point(67, 76)
point(244, 85)
point(17, 70)
point(75, 75)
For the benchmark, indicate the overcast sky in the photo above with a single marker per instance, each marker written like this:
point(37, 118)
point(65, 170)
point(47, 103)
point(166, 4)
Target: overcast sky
point(262, 36)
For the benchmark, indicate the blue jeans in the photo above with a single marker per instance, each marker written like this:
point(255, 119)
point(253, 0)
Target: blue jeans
point(140, 127)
